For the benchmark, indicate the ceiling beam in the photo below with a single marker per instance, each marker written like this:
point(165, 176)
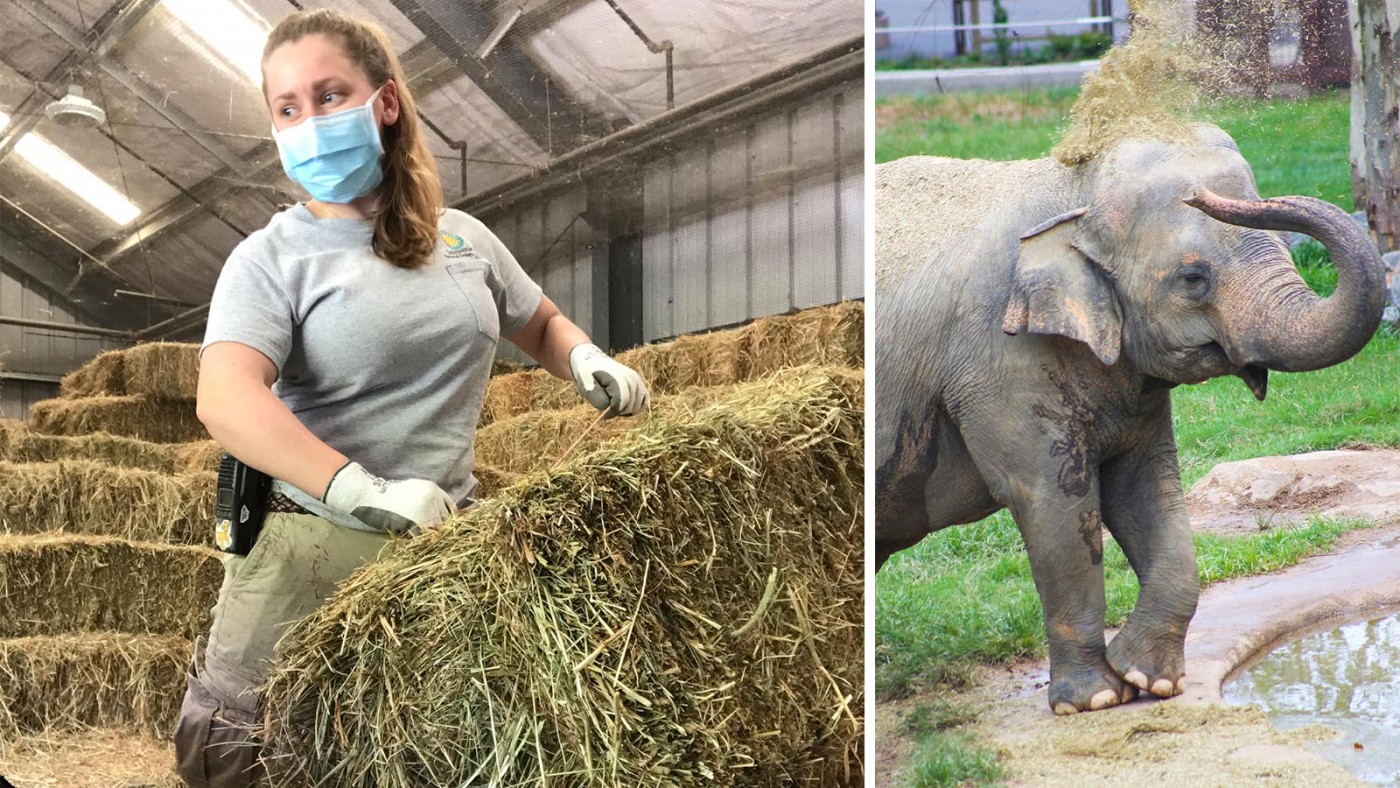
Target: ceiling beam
point(554, 119)
point(93, 298)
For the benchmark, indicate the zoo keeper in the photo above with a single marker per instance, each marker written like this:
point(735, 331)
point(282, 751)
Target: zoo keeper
point(348, 348)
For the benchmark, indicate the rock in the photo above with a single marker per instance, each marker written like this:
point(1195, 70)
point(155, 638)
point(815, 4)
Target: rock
point(1394, 299)
point(1360, 216)
point(1391, 260)
point(1391, 315)
point(1295, 240)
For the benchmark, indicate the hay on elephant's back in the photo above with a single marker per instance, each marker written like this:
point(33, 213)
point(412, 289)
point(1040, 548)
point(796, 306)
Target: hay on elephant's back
point(158, 370)
point(683, 606)
point(536, 440)
point(144, 418)
point(827, 335)
point(75, 681)
point(56, 583)
point(90, 498)
point(18, 443)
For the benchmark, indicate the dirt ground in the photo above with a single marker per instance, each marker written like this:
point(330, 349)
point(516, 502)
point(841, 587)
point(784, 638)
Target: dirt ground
point(93, 759)
point(1195, 740)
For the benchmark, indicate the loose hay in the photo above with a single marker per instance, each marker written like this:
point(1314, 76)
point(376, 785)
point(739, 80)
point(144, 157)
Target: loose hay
point(94, 679)
point(535, 440)
point(158, 421)
point(88, 498)
point(20, 444)
point(829, 335)
point(681, 607)
point(158, 370)
point(53, 584)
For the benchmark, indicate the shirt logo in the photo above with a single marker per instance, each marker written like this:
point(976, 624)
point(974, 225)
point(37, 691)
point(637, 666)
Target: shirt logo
point(457, 246)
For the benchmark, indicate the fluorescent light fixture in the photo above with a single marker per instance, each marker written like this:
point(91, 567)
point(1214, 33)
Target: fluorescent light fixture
point(236, 34)
point(68, 173)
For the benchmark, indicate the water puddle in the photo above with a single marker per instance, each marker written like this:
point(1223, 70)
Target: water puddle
point(1347, 679)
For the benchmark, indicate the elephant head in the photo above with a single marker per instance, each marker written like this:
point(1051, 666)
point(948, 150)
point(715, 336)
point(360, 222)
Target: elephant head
point(1170, 263)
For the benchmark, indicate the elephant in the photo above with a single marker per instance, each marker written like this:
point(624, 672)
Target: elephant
point(1031, 319)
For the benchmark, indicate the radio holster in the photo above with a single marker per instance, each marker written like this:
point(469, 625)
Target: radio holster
point(239, 506)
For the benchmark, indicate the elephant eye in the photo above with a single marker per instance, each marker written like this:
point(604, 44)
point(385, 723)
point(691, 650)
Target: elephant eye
point(1195, 279)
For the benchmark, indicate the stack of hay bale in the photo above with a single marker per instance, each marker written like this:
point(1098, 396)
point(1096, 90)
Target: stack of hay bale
point(106, 496)
point(679, 601)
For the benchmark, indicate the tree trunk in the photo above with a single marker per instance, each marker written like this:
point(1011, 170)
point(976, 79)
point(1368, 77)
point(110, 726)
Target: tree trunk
point(1238, 32)
point(1324, 44)
point(1375, 134)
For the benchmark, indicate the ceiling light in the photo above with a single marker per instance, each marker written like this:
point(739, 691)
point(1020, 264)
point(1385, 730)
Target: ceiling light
point(236, 34)
point(67, 172)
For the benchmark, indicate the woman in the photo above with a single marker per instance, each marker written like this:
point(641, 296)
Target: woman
point(376, 314)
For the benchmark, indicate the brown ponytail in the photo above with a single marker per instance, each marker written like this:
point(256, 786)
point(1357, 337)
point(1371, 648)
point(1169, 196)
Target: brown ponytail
point(406, 229)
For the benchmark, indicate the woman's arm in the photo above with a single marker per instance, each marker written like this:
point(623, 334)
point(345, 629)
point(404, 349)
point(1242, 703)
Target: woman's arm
point(237, 406)
point(548, 338)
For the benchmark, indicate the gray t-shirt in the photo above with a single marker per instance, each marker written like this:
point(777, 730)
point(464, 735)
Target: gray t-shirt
point(386, 365)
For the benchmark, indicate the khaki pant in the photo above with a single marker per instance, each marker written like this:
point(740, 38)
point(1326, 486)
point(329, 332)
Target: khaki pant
point(295, 566)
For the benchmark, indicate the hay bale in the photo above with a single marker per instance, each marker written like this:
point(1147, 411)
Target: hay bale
point(680, 607)
point(158, 370)
point(20, 444)
point(490, 481)
point(104, 376)
point(88, 498)
point(51, 584)
point(535, 440)
point(100, 679)
point(825, 336)
point(155, 420)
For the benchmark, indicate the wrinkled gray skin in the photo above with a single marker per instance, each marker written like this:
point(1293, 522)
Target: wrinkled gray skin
point(1030, 323)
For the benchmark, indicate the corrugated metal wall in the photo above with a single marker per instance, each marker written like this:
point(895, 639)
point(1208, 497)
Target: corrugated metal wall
point(554, 244)
point(33, 359)
point(758, 221)
point(755, 222)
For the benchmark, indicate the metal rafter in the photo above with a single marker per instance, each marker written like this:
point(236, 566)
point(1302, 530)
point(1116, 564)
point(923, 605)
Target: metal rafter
point(555, 120)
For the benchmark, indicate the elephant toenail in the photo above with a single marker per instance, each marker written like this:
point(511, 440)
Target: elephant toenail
point(1065, 708)
point(1181, 685)
point(1136, 678)
point(1103, 699)
point(1129, 692)
point(1163, 688)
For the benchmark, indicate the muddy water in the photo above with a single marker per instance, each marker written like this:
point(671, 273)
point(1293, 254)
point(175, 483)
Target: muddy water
point(1347, 679)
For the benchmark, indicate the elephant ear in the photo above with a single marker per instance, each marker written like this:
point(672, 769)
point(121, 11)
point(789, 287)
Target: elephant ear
point(1059, 289)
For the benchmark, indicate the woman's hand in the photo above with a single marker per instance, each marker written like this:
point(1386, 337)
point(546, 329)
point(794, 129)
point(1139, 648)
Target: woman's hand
point(606, 384)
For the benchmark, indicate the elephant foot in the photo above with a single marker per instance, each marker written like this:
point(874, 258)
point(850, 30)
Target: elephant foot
point(1088, 690)
point(1152, 665)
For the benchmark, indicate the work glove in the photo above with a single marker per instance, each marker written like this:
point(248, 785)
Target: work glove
point(606, 383)
point(403, 506)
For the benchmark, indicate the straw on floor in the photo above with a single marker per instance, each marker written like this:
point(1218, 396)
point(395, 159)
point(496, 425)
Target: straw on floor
point(680, 607)
point(51, 584)
point(829, 335)
point(85, 497)
point(155, 420)
point(95, 679)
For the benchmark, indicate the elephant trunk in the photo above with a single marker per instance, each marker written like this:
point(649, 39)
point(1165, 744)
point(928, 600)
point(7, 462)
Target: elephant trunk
point(1298, 330)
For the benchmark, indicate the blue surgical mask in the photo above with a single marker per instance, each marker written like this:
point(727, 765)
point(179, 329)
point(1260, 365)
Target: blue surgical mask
point(335, 157)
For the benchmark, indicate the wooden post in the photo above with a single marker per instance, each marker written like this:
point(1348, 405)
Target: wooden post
point(1375, 139)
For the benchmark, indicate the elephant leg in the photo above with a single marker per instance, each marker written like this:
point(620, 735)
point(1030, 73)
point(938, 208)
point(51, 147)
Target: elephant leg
point(912, 502)
point(1063, 538)
point(1145, 511)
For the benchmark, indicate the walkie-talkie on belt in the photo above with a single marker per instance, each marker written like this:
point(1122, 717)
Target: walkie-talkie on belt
point(239, 506)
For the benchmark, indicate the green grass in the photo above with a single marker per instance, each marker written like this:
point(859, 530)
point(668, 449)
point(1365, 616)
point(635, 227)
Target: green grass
point(954, 759)
point(1295, 147)
point(965, 595)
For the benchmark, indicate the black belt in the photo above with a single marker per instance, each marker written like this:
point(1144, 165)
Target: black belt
point(277, 502)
